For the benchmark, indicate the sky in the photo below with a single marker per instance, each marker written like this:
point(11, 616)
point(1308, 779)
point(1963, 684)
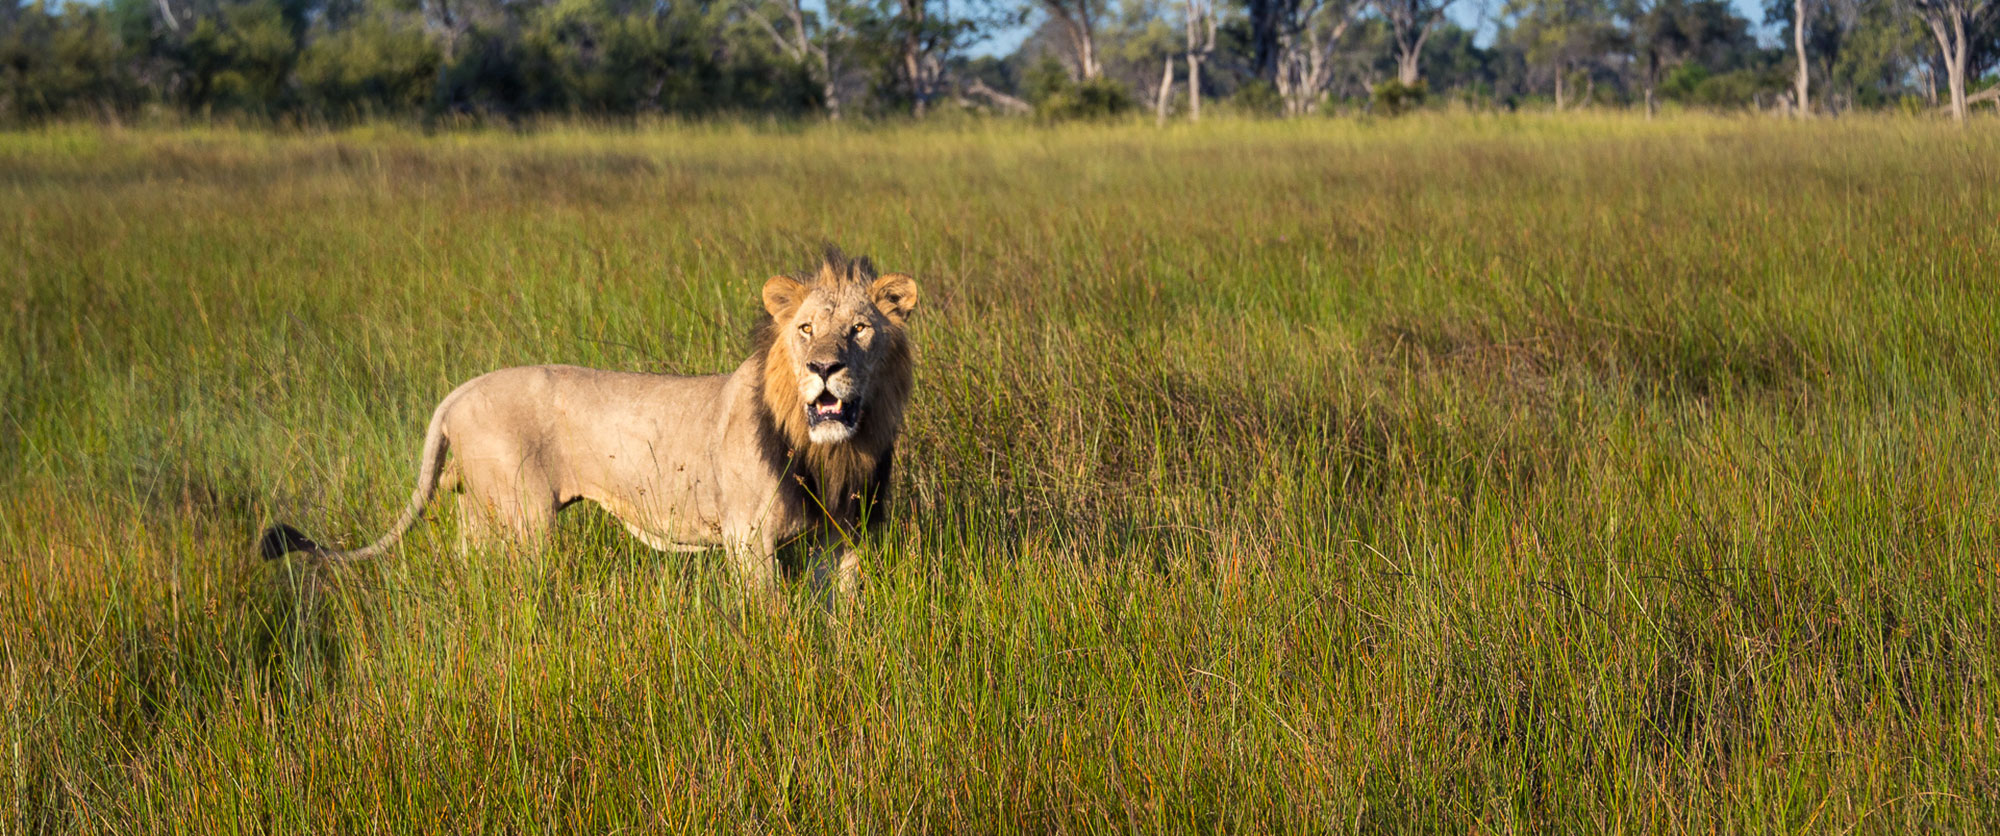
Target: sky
point(1465, 13)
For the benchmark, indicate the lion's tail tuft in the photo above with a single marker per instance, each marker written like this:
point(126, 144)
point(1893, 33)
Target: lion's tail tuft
point(281, 539)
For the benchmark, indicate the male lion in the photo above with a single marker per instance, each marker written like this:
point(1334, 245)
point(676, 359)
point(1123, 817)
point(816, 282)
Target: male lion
point(796, 442)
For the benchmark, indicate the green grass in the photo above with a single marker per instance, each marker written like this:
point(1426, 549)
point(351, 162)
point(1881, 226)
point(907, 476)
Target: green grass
point(1588, 474)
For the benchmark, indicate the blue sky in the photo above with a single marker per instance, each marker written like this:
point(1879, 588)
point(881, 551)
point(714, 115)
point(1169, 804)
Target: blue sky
point(1465, 12)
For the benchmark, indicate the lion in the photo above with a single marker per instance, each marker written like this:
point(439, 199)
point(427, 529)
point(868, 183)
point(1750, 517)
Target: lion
point(794, 445)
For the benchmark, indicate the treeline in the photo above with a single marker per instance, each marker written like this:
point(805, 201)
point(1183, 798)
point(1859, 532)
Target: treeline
point(342, 60)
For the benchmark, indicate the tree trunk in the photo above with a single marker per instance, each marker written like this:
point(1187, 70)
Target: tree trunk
point(1406, 63)
point(1077, 26)
point(1166, 92)
point(1194, 88)
point(1088, 49)
point(1559, 88)
point(1804, 79)
point(1955, 67)
point(1200, 25)
point(1652, 105)
point(831, 93)
point(1947, 23)
point(1264, 15)
point(914, 71)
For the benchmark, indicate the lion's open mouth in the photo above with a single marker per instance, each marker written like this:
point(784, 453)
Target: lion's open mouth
point(826, 407)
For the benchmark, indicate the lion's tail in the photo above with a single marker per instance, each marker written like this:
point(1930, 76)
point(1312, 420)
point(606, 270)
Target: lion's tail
point(280, 540)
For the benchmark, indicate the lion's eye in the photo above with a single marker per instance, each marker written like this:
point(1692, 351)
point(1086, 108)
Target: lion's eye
point(860, 327)
point(806, 329)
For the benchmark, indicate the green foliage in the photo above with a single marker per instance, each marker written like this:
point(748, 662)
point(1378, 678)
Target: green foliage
point(1681, 82)
point(239, 58)
point(1057, 98)
point(383, 64)
point(1741, 88)
point(1394, 98)
point(65, 63)
point(1257, 98)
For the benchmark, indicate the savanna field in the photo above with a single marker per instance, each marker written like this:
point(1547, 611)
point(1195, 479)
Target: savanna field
point(1445, 474)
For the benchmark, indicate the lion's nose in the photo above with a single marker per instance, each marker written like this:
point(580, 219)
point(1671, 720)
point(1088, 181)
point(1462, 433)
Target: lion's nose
point(825, 369)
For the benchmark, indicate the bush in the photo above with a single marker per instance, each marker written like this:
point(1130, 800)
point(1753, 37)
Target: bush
point(1394, 98)
point(1257, 98)
point(1737, 89)
point(62, 64)
point(1056, 98)
point(377, 66)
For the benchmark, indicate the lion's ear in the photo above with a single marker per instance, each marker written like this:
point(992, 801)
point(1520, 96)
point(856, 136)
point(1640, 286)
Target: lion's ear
point(895, 295)
point(782, 295)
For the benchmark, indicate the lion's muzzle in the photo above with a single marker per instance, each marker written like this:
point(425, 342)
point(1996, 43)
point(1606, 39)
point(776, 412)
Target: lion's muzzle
point(832, 410)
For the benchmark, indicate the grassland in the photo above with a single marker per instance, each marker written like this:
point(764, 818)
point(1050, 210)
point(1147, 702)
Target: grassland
point(1441, 475)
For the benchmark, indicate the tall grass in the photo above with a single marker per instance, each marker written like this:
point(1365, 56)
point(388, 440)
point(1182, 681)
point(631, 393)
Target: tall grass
point(1444, 474)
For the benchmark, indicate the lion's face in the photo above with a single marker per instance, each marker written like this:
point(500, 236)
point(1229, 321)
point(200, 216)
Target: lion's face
point(835, 334)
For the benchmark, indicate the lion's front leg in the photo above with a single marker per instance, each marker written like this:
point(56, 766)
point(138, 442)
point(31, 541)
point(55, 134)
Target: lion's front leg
point(756, 559)
point(836, 571)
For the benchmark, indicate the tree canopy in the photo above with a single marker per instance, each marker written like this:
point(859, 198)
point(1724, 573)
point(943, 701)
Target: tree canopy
point(343, 60)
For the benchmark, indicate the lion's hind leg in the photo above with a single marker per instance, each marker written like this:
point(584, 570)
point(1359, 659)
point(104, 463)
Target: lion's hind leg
point(518, 517)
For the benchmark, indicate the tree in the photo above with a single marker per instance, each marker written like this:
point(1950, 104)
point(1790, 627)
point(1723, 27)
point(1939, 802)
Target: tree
point(1562, 38)
point(379, 63)
point(1308, 33)
point(1958, 26)
point(1198, 18)
point(1412, 22)
point(1801, 12)
point(1666, 34)
point(1078, 19)
point(60, 64)
point(818, 42)
point(924, 41)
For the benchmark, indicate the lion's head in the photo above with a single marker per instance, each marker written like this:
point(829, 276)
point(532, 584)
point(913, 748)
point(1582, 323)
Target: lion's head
point(837, 361)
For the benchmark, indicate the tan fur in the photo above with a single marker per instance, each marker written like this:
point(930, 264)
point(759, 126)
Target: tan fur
point(727, 460)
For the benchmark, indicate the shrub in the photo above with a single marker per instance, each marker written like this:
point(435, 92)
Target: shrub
point(1257, 98)
point(1394, 98)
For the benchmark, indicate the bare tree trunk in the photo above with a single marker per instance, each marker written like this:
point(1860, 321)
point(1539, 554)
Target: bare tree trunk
point(1652, 105)
point(1559, 88)
point(1305, 53)
point(1955, 67)
point(1081, 32)
point(917, 66)
point(1406, 64)
point(1088, 48)
point(1411, 22)
point(1200, 41)
point(1804, 79)
point(999, 99)
point(167, 14)
point(1166, 92)
point(1947, 20)
point(1194, 88)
